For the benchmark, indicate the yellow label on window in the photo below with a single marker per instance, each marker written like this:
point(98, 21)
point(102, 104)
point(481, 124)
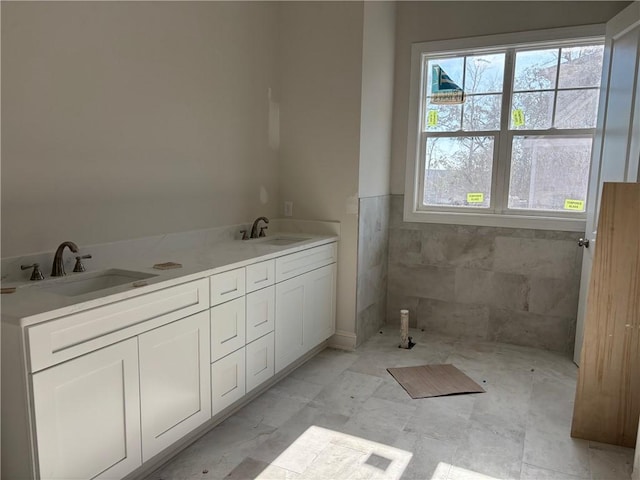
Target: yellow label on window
point(574, 205)
point(475, 197)
point(518, 117)
point(432, 118)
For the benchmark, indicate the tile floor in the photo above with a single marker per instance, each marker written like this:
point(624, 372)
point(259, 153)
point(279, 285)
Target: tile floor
point(342, 416)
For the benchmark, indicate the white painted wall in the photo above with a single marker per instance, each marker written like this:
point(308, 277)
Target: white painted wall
point(427, 21)
point(320, 48)
point(378, 52)
point(127, 119)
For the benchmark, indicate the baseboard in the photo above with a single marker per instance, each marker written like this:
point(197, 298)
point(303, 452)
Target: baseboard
point(343, 340)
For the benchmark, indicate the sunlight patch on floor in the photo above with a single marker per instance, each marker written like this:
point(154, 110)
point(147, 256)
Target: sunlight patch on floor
point(323, 453)
point(446, 471)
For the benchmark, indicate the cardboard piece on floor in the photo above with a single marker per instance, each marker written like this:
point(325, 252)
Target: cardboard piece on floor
point(434, 380)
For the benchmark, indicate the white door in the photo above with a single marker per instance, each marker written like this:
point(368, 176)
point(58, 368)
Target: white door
point(87, 413)
point(175, 381)
point(290, 311)
point(320, 319)
point(616, 148)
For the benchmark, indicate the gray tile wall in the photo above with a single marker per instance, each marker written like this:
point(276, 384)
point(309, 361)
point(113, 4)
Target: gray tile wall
point(516, 286)
point(373, 252)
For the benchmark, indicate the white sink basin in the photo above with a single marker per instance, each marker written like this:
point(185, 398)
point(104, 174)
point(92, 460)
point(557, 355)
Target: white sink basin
point(81, 283)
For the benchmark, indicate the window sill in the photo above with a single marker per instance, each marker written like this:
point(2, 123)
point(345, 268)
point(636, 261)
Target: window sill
point(497, 220)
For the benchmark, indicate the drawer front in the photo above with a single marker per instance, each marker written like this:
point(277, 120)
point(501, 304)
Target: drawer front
point(227, 380)
point(227, 286)
point(260, 361)
point(260, 275)
point(260, 313)
point(227, 328)
point(61, 339)
point(290, 266)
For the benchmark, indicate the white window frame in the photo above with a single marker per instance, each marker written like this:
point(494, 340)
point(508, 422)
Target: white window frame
point(414, 211)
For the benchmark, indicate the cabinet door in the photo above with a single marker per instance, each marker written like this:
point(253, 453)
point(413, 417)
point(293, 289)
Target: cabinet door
point(260, 313)
point(228, 328)
point(319, 320)
point(290, 312)
point(87, 415)
point(175, 383)
point(227, 380)
point(259, 361)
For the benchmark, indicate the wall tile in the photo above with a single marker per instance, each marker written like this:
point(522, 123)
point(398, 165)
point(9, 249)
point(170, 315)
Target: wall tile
point(473, 286)
point(541, 257)
point(405, 245)
point(528, 279)
point(373, 254)
point(424, 281)
point(510, 291)
point(455, 319)
point(448, 246)
point(531, 330)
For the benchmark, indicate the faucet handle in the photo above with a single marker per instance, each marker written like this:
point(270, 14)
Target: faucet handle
point(262, 234)
point(36, 274)
point(79, 267)
point(244, 235)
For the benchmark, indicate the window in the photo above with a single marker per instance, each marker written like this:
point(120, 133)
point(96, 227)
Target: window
point(513, 146)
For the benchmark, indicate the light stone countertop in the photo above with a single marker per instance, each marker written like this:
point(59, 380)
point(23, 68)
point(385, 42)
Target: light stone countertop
point(32, 304)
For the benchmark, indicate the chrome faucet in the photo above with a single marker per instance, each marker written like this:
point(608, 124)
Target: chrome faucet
point(58, 266)
point(254, 228)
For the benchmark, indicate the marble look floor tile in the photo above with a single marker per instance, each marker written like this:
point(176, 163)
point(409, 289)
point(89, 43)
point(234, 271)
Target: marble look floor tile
point(379, 420)
point(431, 458)
point(296, 389)
point(272, 408)
point(531, 472)
point(341, 415)
point(548, 441)
point(347, 394)
point(609, 462)
point(325, 367)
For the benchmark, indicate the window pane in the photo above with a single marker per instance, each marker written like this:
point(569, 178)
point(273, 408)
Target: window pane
point(577, 109)
point(458, 171)
point(549, 173)
point(581, 66)
point(531, 110)
point(482, 112)
point(484, 74)
point(442, 118)
point(536, 70)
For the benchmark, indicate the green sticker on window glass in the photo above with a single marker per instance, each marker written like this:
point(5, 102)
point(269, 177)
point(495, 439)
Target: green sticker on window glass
point(574, 205)
point(475, 197)
point(518, 117)
point(432, 118)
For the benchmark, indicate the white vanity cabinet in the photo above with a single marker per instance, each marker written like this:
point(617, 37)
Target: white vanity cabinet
point(108, 386)
point(175, 389)
point(87, 415)
point(98, 389)
point(242, 340)
point(305, 302)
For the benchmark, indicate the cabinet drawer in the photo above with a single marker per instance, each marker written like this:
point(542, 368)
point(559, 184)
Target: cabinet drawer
point(67, 337)
point(227, 380)
point(298, 263)
point(227, 328)
point(260, 312)
point(260, 361)
point(260, 275)
point(227, 286)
